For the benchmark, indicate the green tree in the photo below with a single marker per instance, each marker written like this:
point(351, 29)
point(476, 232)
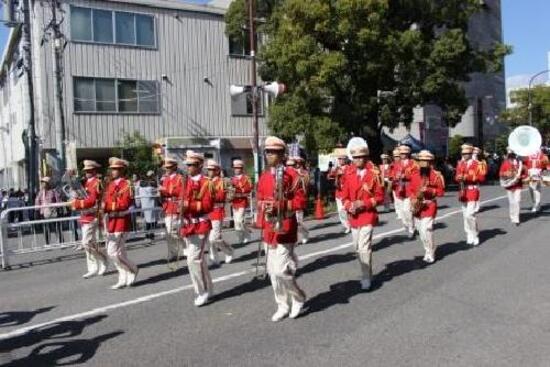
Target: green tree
point(540, 105)
point(455, 144)
point(335, 55)
point(138, 152)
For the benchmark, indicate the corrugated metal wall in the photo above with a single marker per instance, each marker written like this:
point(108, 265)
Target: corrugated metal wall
point(191, 46)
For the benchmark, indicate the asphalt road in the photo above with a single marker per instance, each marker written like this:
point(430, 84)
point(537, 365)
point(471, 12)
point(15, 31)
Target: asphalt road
point(484, 306)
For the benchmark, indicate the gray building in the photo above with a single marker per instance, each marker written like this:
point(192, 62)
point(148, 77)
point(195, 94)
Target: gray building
point(159, 67)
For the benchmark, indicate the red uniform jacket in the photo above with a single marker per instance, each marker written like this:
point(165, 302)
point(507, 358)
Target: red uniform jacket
point(506, 169)
point(218, 196)
point(473, 174)
point(266, 195)
point(301, 191)
point(402, 173)
point(338, 174)
point(243, 187)
point(368, 189)
point(536, 163)
point(117, 200)
point(171, 189)
point(89, 205)
point(198, 202)
point(435, 187)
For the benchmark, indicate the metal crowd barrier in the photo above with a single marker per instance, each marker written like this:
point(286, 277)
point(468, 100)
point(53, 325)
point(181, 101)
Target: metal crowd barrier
point(24, 231)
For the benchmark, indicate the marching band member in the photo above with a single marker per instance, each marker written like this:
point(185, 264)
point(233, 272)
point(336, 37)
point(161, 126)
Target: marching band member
point(277, 204)
point(397, 201)
point(426, 185)
point(217, 215)
point(363, 192)
point(96, 260)
point(196, 203)
point(469, 174)
point(483, 164)
point(171, 189)
point(535, 164)
point(301, 194)
point(242, 188)
point(338, 174)
point(512, 169)
point(405, 168)
point(117, 201)
point(385, 171)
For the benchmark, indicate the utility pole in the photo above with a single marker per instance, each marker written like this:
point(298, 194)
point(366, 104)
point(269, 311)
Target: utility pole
point(58, 49)
point(32, 163)
point(254, 88)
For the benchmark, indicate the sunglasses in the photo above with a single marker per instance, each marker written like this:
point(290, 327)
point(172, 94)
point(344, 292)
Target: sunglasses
point(192, 164)
point(272, 151)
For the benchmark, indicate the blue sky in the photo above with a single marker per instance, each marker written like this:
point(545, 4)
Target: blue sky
point(526, 26)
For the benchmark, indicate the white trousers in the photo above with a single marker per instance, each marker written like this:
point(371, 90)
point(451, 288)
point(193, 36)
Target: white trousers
point(240, 226)
point(172, 224)
point(217, 243)
point(534, 192)
point(514, 199)
point(302, 230)
point(362, 242)
point(116, 249)
point(425, 228)
point(470, 221)
point(407, 216)
point(94, 255)
point(398, 205)
point(196, 262)
point(281, 267)
point(342, 215)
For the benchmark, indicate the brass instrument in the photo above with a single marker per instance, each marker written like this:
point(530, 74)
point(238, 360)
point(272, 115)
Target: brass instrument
point(72, 186)
point(229, 189)
point(417, 202)
point(278, 198)
point(512, 176)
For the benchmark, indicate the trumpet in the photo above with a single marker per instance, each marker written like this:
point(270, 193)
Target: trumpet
point(278, 196)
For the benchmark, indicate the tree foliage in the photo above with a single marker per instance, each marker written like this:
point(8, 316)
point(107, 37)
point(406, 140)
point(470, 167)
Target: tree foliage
point(540, 106)
point(335, 55)
point(135, 148)
point(455, 144)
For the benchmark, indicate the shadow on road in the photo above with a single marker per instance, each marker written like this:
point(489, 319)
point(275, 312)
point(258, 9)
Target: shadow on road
point(486, 208)
point(53, 351)
point(169, 274)
point(326, 237)
point(14, 318)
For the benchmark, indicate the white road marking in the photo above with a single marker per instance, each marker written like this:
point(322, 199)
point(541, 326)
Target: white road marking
point(142, 299)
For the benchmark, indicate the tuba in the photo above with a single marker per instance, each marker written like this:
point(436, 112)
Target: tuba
point(355, 142)
point(525, 141)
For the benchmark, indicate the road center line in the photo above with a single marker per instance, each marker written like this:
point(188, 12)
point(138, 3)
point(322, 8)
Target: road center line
point(142, 299)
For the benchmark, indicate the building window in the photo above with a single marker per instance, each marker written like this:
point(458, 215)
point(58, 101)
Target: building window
point(81, 24)
point(240, 46)
point(242, 105)
point(103, 26)
point(99, 95)
point(112, 27)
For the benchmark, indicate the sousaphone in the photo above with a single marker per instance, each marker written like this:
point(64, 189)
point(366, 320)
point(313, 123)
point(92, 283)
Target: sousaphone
point(355, 142)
